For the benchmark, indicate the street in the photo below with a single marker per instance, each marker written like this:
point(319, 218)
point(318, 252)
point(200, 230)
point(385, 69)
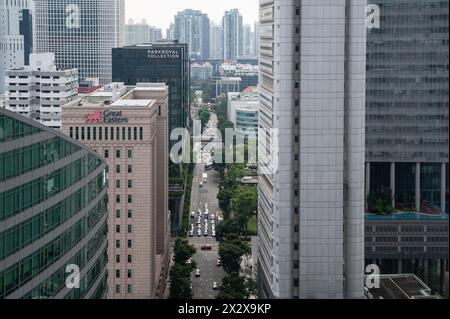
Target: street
point(204, 196)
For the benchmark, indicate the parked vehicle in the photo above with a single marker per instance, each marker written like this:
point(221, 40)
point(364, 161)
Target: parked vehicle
point(197, 273)
point(191, 233)
point(192, 214)
point(206, 247)
point(215, 286)
point(219, 263)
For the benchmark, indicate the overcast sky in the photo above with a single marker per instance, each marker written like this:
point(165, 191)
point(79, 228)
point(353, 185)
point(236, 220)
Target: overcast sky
point(160, 13)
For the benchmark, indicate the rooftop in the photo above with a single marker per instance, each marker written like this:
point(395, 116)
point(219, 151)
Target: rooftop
point(404, 286)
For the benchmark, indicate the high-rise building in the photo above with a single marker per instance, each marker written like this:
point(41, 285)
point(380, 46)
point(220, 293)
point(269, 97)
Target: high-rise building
point(215, 41)
point(192, 27)
point(311, 148)
point(170, 32)
point(140, 33)
point(233, 35)
point(16, 36)
point(81, 33)
point(128, 127)
point(39, 90)
point(247, 41)
point(53, 213)
point(256, 38)
point(166, 62)
point(407, 104)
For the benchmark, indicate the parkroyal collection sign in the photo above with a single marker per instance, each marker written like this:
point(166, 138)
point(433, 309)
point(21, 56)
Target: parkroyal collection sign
point(110, 117)
point(163, 54)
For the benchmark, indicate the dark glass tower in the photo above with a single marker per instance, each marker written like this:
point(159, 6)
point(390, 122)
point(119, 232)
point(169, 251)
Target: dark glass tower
point(53, 213)
point(160, 62)
point(26, 29)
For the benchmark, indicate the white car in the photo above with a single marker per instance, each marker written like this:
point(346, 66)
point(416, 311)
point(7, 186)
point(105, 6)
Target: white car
point(214, 233)
point(215, 286)
point(213, 221)
point(197, 273)
point(199, 232)
point(191, 233)
point(213, 217)
point(192, 214)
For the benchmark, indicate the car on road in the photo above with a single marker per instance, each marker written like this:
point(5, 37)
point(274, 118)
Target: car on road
point(219, 263)
point(215, 286)
point(199, 232)
point(213, 234)
point(197, 273)
point(192, 214)
point(206, 247)
point(201, 184)
point(206, 232)
point(191, 233)
point(213, 217)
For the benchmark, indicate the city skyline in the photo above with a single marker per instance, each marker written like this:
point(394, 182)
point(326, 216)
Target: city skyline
point(163, 15)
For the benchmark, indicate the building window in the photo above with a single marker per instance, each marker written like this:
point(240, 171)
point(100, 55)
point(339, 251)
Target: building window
point(141, 133)
point(296, 282)
point(130, 229)
point(130, 213)
point(82, 134)
point(106, 153)
point(129, 259)
point(100, 133)
point(117, 153)
point(118, 169)
point(117, 273)
point(130, 243)
point(112, 133)
point(117, 244)
point(129, 289)
point(118, 199)
point(118, 213)
point(95, 133)
point(296, 229)
point(117, 289)
point(129, 273)
point(71, 132)
point(118, 133)
point(135, 133)
point(130, 169)
point(130, 153)
point(89, 133)
point(106, 134)
point(129, 133)
point(118, 259)
point(77, 133)
point(130, 183)
point(118, 229)
point(118, 183)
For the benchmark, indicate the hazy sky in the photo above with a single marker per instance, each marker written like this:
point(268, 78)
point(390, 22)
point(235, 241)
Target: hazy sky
point(160, 13)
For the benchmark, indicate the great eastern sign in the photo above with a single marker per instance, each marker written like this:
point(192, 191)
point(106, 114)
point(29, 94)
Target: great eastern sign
point(100, 116)
point(163, 54)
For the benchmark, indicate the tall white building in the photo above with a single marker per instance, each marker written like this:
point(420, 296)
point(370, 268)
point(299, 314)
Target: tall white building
point(312, 110)
point(16, 36)
point(39, 90)
point(232, 35)
point(215, 41)
point(81, 33)
point(141, 33)
point(192, 27)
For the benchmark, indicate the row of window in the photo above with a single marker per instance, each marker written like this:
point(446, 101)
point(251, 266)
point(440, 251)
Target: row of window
point(17, 200)
point(22, 272)
point(34, 228)
point(26, 159)
point(57, 281)
point(11, 129)
point(106, 133)
point(118, 154)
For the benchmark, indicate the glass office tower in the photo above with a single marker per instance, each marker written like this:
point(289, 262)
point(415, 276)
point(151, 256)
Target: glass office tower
point(53, 212)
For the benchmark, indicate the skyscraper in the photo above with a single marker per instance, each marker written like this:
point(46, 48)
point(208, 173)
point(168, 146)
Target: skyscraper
point(81, 33)
point(247, 41)
point(53, 213)
point(16, 36)
point(128, 127)
point(407, 104)
point(312, 101)
point(215, 41)
point(233, 35)
point(139, 33)
point(192, 27)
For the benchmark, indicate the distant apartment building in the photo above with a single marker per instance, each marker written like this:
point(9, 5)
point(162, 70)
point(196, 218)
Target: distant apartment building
point(81, 33)
point(128, 127)
point(407, 104)
point(53, 213)
point(166, 62)
point(248, 73)
point(192, 27)
point(311, 159)
point(39, 90)
point(232, 35)
point(226, 84)
point(141, 33)
point(202, 71)
point(215, 41)
point(16, 36)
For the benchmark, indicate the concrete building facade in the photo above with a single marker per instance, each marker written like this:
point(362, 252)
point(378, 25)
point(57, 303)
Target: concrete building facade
point(311, 158)
point(39, 90)
point(129, 129)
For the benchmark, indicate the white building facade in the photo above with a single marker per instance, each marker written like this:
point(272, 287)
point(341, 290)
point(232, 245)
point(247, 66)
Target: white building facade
point(312, 110)
point(39, 90)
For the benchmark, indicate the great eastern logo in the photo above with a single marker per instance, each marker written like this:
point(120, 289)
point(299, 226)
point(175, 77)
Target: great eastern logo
point(100, 116)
